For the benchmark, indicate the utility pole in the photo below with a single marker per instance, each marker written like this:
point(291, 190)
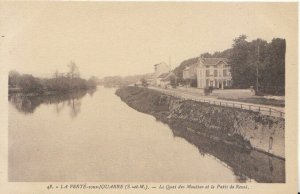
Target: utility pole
point(257, 67)
point(170, 65)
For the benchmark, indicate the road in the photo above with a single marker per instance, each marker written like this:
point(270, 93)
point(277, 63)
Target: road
point(262, 109)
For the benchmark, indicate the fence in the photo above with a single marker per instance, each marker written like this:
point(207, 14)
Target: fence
point(256, 108)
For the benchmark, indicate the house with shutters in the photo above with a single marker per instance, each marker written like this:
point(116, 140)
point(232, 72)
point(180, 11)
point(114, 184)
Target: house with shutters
point(213, 72)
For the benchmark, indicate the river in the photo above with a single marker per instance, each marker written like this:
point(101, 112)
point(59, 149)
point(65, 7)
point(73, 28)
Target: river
point(94, 136)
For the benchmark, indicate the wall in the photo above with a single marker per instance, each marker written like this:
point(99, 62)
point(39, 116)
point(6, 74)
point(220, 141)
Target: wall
point(241, 128)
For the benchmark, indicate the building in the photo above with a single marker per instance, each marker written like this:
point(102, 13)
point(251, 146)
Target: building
point(159, 69)
point(164, 80)
point(190, 72)
point(213, 72)
point(150, 80)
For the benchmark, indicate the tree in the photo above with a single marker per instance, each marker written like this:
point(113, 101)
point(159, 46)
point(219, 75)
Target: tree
point(258, 63)
point(240, 71)
point(28, 83)
point(186, 63)
point(92, 82)
point(73, 70)
point(273, 74)
point(173, 81)
point(206, 55)
point(13, 79)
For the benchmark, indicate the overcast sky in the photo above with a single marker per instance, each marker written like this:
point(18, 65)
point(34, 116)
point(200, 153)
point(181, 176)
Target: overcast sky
point(129, 38)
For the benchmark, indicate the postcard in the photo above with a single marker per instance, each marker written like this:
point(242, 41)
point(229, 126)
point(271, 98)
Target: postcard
point(148, 97)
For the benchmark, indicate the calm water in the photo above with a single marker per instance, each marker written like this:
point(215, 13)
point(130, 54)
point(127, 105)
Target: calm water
point(96, 137)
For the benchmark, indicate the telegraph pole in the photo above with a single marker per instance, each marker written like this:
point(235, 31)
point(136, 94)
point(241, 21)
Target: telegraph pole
point(171, 69)
point(257, 67)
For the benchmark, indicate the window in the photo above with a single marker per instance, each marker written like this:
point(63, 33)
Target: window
point(199, 74)
point(207, 72)
point(207, 82)
point(224, 72)
point(216, 73)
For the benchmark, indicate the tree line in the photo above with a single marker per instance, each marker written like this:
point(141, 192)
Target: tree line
point(60, 82)
point(258, 63)
point(118, 81)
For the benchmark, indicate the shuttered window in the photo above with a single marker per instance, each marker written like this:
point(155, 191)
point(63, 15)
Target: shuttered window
point(225, 72)
point(207, 72)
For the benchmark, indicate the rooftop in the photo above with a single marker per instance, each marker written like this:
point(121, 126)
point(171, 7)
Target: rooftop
point(212, 61)
point(163, 75)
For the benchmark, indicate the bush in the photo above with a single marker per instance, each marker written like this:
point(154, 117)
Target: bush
point(28, 83)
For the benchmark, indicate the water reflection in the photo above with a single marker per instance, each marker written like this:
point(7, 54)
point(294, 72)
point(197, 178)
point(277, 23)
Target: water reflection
point(244, 163)
point(116, 146)
point(27, 104)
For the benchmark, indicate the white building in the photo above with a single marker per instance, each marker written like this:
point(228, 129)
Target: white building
point(164, 79)
point(160, 69)
point(213, 72)
point(190, 72)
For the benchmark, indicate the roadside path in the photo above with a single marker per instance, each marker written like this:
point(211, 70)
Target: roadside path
point(262, 109)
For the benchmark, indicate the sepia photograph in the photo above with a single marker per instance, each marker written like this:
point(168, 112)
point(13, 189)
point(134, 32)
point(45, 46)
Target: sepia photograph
point(150, 92)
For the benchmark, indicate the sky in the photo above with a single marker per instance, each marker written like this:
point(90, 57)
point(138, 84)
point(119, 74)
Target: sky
point(106, 39)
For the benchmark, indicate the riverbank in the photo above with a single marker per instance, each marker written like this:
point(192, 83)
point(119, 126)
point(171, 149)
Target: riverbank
point(12, 91)
point(60, 83)
point(241, 128)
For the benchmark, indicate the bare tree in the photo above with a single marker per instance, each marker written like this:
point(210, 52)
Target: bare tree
point(56, 74)
point(73, 70)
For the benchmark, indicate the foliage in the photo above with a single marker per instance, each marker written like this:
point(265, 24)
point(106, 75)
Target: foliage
point(92, 82)
point(29, 83)
point(173, 81)
point(272, 77)
point(178, 70)
point(13, 79)
point(188, 82)
point(246, 58)
point(60, 82)
point(73, 70)
point(113, 81)
point(144, 82)
point(208, 90)
point(186, 63)
point(193, 83)
point(267, 58)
